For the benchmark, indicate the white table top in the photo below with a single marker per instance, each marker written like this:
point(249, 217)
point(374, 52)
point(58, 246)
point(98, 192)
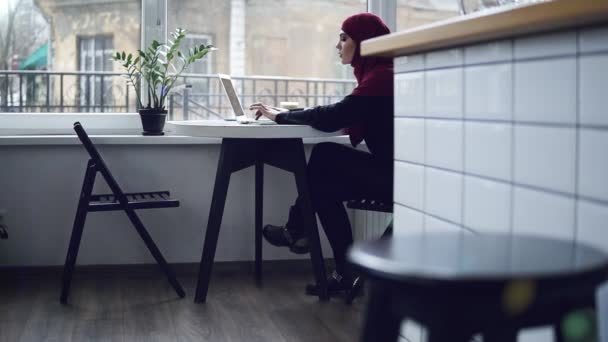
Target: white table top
point(233, 129)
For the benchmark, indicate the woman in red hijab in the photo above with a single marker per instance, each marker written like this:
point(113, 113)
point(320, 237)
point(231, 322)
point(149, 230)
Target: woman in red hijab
point(337, 173)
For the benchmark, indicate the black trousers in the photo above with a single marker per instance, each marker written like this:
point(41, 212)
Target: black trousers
point(338, 173)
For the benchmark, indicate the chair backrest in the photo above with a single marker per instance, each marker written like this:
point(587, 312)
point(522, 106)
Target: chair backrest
point(98, 161)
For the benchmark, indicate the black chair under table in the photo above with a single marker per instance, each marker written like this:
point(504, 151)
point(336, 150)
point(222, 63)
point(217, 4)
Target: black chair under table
point(368, 204)
point(117, 200)
point(458, 285)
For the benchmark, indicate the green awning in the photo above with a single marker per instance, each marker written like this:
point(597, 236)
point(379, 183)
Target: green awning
point(37, 59)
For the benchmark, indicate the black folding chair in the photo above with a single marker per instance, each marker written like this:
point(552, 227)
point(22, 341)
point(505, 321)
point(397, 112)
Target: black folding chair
point(117, 200)
point(384, 206)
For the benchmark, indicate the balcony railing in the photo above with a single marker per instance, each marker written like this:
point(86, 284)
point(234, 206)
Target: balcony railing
point(194, 97)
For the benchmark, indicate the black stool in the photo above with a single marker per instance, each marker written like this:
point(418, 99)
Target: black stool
point(117, 200)
point(378, 205)
point(459, 285)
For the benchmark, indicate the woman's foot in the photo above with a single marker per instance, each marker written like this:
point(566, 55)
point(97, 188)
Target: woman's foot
point(280, 236)
point(356, 291)
point(336, 284)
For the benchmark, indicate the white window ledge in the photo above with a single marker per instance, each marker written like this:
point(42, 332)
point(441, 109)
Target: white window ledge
point(26, 140)
point(24, 129)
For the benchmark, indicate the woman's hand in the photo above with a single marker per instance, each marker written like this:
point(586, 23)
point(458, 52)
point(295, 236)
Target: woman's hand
point(268, 111)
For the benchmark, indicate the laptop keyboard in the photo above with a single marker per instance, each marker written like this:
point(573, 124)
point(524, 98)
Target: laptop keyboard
point(248, 121)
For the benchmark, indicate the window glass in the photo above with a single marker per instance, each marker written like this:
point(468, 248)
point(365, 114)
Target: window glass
point(275, 50)
point(412, 13)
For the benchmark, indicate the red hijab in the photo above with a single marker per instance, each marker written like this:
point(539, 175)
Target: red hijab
point(374, 74)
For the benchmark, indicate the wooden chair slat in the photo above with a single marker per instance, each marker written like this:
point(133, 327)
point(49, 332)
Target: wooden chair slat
point(139, 200)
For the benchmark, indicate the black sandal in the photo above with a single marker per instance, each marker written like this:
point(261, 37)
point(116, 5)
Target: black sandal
point(280, 236)
point(336, 285)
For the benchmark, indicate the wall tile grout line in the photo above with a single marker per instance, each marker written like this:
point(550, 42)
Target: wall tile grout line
point(512, 156)
point(472, 230)
point(577, 137)
point(512, 59)
point(512, 183)
point(463, 142)
point(424, 80)
point(424, 169)
point(513, 122)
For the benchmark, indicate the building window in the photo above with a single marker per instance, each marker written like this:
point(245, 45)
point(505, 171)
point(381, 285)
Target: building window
point(94, 56)
point(203, 66)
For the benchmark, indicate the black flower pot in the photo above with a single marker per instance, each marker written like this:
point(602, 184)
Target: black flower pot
point(153, 120)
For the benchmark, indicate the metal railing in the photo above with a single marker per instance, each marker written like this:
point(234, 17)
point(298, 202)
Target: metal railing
point(194, 97)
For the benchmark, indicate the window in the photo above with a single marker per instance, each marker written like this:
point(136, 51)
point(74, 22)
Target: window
point(276, 50)
point(94, 55)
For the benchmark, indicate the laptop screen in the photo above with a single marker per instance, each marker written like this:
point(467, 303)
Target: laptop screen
point(231, 93)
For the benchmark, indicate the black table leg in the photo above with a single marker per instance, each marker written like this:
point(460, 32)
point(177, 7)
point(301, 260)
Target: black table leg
point(220, 190)
point(310, 222)
point(259, 213)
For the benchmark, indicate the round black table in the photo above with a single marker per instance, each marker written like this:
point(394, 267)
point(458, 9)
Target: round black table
point(461, 284)
point(248, 145)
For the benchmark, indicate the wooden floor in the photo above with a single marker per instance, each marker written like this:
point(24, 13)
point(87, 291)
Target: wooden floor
point(141, 306)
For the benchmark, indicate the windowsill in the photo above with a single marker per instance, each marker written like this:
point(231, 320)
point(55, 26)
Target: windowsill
point(27, 140)
point(22, 129)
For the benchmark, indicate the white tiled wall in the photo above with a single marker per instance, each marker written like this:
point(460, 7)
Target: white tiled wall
point(507, 136)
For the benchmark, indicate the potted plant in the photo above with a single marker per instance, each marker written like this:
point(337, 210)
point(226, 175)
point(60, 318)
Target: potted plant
point(158, 67)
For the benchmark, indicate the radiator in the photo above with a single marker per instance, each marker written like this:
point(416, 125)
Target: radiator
point(368, 225)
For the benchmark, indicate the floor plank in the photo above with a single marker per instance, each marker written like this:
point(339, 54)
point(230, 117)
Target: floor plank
point(142, 306)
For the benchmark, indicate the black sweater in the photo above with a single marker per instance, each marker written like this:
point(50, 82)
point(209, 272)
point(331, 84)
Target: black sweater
point(375, 113)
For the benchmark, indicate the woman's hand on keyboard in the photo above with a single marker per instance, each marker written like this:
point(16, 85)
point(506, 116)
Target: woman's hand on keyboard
point(267, 111)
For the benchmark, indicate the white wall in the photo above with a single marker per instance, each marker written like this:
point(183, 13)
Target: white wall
point(508, 136)
point(40, 185)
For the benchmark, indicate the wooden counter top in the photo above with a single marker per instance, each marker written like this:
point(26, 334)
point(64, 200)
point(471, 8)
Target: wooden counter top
point(494, 24)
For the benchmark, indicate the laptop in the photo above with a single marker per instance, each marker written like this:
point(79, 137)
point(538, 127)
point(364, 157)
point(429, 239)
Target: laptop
point(239, 113)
